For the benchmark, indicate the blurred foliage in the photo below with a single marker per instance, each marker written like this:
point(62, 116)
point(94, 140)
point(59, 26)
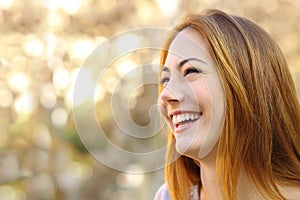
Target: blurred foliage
point(43, 43)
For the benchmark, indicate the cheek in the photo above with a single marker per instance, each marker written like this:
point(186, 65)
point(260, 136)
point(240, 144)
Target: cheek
point(201, 94)
point(216, 114)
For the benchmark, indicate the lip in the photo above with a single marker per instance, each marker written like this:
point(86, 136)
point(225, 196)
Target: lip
point(180, 129)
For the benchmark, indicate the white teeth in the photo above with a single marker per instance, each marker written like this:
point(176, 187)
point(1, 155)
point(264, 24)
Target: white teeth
point(184, 117)
point(184, 124)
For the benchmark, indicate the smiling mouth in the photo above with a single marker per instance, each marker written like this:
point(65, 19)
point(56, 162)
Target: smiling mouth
point(184, 119)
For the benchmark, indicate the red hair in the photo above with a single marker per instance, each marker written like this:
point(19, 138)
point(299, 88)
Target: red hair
point(261, 134)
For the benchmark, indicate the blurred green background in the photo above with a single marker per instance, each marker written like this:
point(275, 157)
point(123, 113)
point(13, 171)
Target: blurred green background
point(43, 43)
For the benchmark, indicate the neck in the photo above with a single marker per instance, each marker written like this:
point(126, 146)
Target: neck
point(209, 190)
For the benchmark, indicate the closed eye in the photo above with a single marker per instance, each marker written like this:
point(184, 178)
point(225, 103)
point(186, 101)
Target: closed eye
point(191, 70)
point(164, 81)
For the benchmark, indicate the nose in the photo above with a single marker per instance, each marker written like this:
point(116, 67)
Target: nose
point(171, 95)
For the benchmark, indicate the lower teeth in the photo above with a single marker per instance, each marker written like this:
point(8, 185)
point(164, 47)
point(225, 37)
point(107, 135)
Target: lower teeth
point(184, 124)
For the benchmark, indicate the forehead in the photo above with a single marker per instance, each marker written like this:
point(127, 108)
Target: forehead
point(188, 43)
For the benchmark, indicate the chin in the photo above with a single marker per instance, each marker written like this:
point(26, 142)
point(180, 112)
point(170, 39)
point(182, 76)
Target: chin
point(186, 148)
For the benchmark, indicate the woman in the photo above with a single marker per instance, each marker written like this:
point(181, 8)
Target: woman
point(229, 100)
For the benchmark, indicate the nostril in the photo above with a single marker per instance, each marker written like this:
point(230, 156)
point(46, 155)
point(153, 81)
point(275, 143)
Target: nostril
point(172, 100)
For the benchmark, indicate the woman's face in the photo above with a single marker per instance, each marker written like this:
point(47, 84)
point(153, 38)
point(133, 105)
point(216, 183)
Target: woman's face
point(192, 100)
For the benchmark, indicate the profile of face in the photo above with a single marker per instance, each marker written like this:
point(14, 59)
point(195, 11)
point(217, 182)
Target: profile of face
point(192, 100)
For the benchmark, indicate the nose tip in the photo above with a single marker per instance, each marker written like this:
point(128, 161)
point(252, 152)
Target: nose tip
point(169, 96)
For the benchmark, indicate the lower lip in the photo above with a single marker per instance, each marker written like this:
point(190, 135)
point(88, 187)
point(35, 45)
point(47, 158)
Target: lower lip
point(181, 129)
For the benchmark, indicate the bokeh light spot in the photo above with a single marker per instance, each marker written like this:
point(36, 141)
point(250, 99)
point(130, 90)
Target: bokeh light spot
point(33, 46)
point(59, 117)
point(18, 82)
point(48, 96)
point(25, 104)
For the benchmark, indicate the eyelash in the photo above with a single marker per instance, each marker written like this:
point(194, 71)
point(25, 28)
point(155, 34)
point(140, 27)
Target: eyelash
point(191, 70)
point(185, 73)
point(164, 81)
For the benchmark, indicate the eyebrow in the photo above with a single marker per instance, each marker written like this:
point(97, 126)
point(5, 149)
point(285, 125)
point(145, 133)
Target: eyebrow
point(182, 62)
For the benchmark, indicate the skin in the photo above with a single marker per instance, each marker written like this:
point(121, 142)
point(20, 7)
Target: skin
point(192, 85)
point(195, 87)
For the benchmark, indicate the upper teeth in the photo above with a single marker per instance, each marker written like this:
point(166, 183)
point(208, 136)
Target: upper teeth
point(184, 117)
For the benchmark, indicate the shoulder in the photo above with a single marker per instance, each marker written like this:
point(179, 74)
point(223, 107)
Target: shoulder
point(162, 193)
point(291, 193)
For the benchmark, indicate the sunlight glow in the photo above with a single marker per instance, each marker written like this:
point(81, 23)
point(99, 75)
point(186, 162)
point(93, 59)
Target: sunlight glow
point(5, 4)
point(130, 180)
point(70, 7)
point(33, 46)
point(125, 67)
point(168, 7)
point(25, 104)
point(60, 79)
point(82, 48)
point(54, 20)
point(18, 82)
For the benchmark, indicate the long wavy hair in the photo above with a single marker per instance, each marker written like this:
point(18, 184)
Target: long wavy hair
point(261, 133)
